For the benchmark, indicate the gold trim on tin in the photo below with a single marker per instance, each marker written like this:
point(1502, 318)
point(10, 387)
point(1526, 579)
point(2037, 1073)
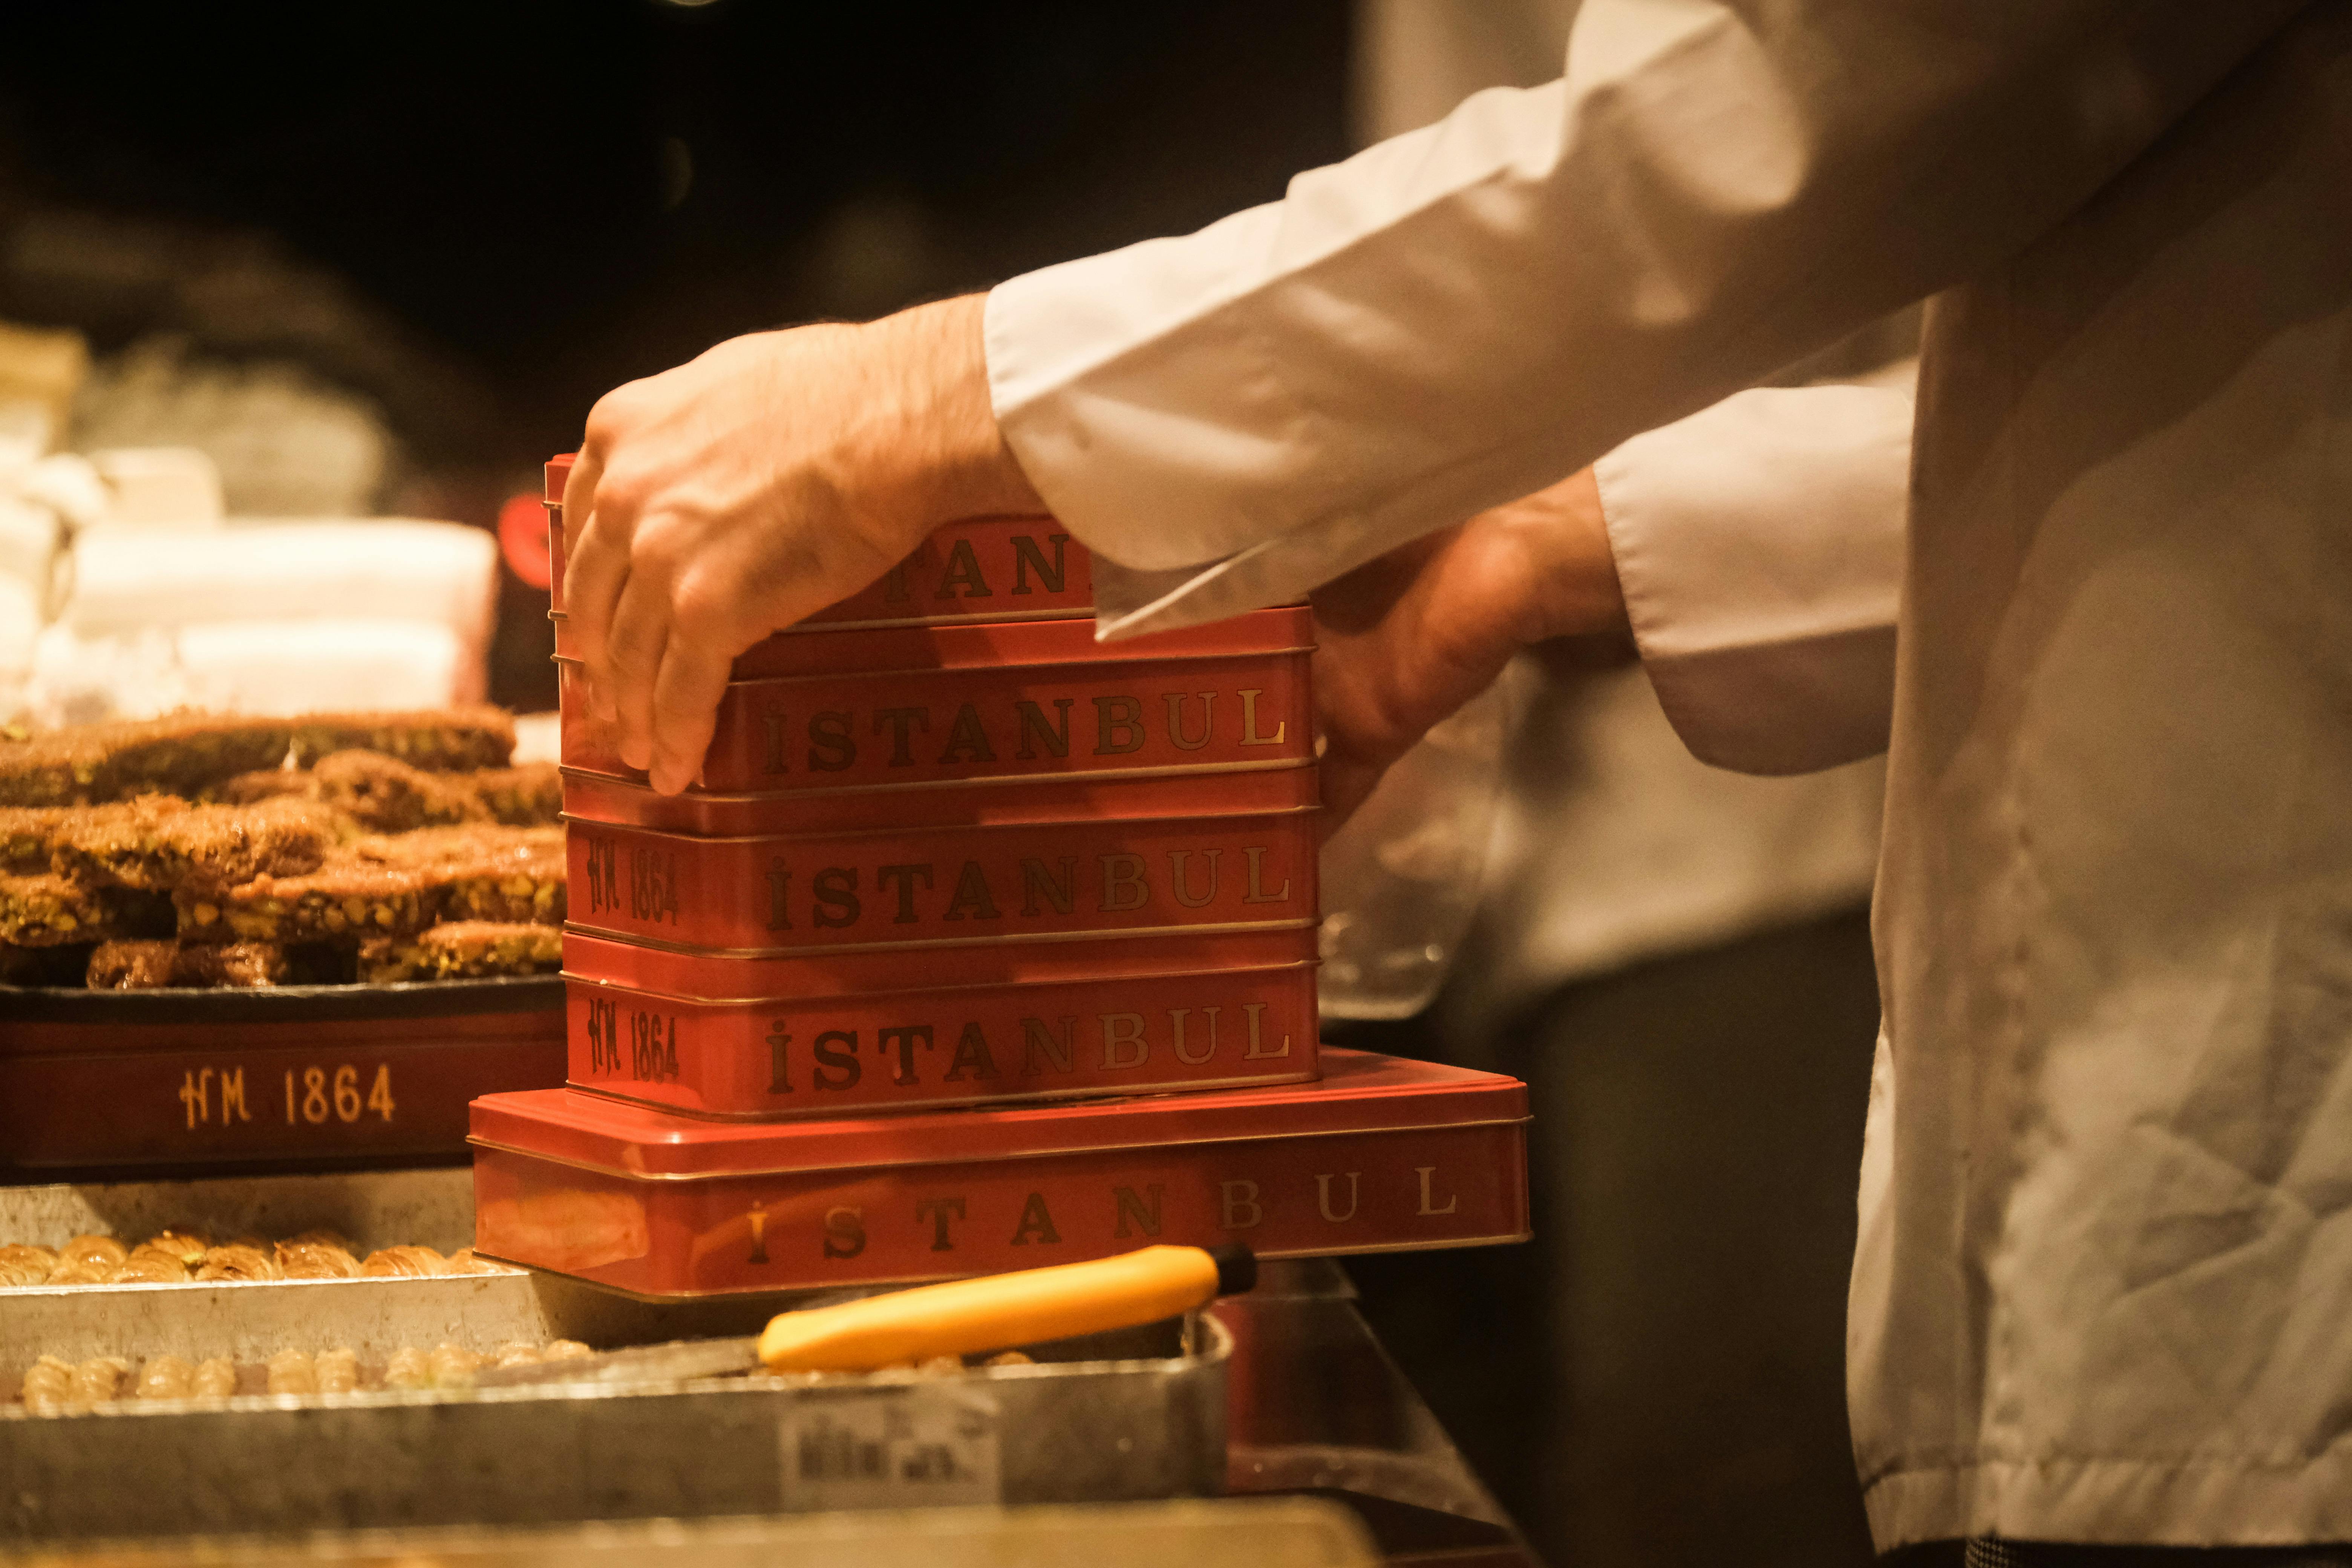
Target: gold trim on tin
point(932, 943)
point(693, 837)
point(481, 1143)
point(1095, 775)
point(1068, 613)
point(772, 1001)
point(1111, 657)
point(895, 1107)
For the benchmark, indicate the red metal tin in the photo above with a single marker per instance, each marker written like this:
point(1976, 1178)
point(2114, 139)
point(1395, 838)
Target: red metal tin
point(826, 1053)
point(164, 1081)
point(982, 803)
point(689, 971)
point(913, 890)
point(1381, 1154)
point(984, 569)
point(878, 651)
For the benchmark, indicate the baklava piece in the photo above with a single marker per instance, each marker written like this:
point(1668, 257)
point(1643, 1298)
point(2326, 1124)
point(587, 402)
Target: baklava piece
point(160, 845)
point(528, 796)
point(187, 1246)
point(190, 753)
point(464, 949)
point(48, 911)
point(145, 1268)
point(216, 1378)
point(387, 795)
point(156, 965)
point(346, 898)
point(454, 1366)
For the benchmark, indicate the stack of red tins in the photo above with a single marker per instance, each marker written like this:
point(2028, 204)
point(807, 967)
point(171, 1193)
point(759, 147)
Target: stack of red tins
point(950, 856)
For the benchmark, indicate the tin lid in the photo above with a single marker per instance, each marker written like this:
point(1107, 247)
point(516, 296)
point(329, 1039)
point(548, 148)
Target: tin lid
point(559, 474)
point(1358, 1093)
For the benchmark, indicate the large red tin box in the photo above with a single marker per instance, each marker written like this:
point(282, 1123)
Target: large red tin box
point(822, 1053)
point(299, 1075)
point(989, 569)
point(904, 891)
point(1381, 1154)
point(1000, 700)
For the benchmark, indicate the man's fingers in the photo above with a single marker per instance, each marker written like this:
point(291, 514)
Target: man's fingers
point(631, 658)
point(693, 678)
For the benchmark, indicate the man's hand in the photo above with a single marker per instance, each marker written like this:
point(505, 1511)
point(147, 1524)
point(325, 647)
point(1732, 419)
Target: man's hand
point(731, 497)
point(1408, 638)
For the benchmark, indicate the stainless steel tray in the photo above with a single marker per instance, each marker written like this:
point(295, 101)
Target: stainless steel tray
point(1110, 1417)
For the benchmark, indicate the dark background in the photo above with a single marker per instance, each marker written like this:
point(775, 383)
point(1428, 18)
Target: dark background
point(483, 216)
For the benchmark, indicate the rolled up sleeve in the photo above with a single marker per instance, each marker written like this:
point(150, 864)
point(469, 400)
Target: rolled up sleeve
point(1760, 545)
point(1463, 314)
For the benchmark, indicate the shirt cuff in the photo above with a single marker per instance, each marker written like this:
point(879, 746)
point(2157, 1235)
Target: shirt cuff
point(1760, 545)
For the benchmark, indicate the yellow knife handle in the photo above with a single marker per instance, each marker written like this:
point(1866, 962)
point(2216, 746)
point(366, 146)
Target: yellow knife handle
point(965, 1317)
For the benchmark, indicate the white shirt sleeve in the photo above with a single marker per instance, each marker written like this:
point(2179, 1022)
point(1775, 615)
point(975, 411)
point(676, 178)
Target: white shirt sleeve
point(1759, 544)
point(1463, 314)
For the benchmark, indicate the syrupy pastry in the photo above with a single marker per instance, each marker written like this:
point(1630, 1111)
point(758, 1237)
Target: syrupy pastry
point(26, 1265)
point(1009, 1358)
point(316, 1260)
point(49, 1384)
point(565, 1350)
point(293, 1371)
point(404, 1263)
point(237, 1260)
point(99, 1380)
point(408, 1367)
point(145, 1267)
point(167, 1377)
point(514, 1352)
point(453, 1366)
point(338, 1370)
point(465, 1261)
point(93, 1249)
point(187, 1246)
point(216, 1378)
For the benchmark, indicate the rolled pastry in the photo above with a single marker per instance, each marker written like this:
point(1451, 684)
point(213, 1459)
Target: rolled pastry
point(454, 1366)
point(216, 1378)
point(48, 1384)
point(404, 1262)
point(338, 1370)
point(237, 1260)
point(26, 1265)
point(408, 1368)
point(293, 1371)
point(316, 1260)
point(99, 1379)
point(167, 1377)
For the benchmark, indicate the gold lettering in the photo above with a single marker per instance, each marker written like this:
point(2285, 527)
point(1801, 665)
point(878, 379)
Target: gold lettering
point(1257, 1052)
point(1036, 1038)
point(1176, 1016)
point(844, 1232)
point(1144, 1213)
point(1121, 1030)
point(1177, 884)
point(1428, 1203)
point(1054, 737)
point(1122, 875)
point(232, 1082)
point(1025, 555)
point(1250, 737)
point(758, 1237)
point(972, 899)
point(1036, 1223)
point(1175, 700)
point(938, 1211)
point(1323, 1197)
point(1258, 893)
